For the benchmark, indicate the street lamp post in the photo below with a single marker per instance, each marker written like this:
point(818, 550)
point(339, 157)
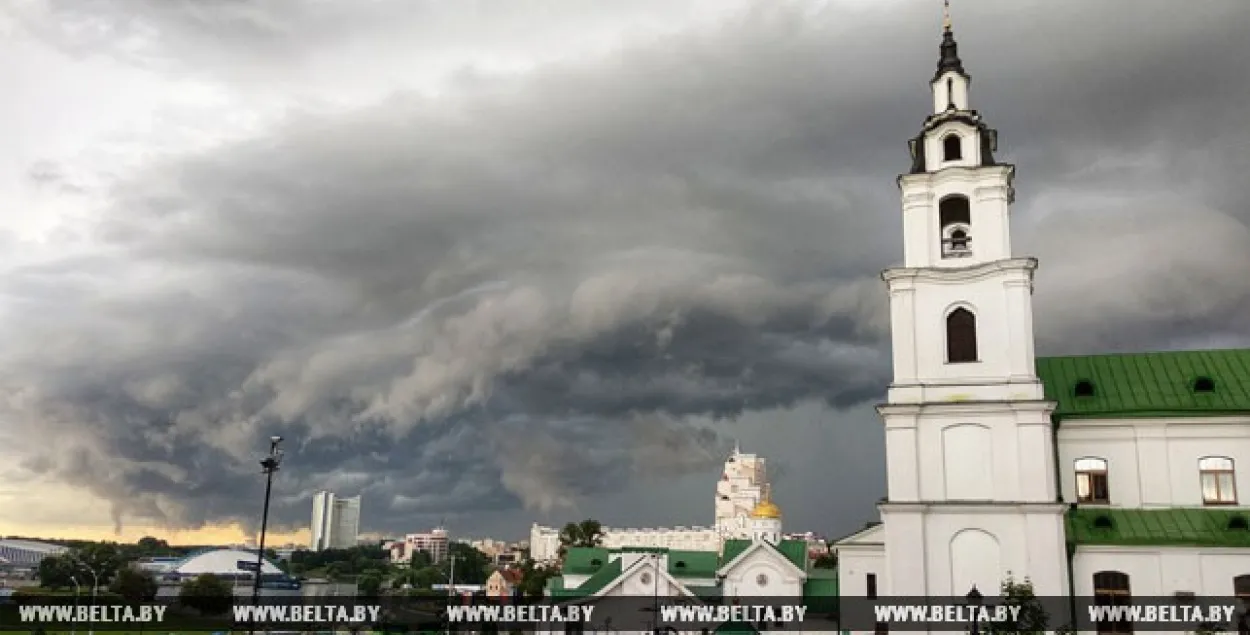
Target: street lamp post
point(269, 465)
point(974, 600)
point(95, 585)
point(73, 629)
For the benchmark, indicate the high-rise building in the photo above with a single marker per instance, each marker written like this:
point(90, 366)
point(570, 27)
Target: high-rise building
point(335, 521)
point(743, 485)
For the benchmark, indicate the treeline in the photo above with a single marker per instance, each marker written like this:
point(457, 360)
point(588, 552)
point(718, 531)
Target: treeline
point(337, 563)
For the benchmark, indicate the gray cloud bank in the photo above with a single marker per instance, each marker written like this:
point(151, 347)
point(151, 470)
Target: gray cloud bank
point(534, 290)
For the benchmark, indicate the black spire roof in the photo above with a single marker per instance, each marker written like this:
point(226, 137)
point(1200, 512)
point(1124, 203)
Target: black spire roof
point(949, 58)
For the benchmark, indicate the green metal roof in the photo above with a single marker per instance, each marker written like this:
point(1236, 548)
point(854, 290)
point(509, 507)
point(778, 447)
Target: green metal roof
point(1148, 384)
point(603, 577)
point(1178, 526)
point(794, 550)
point(732, 548)
point(693, 564)
point(585, 560)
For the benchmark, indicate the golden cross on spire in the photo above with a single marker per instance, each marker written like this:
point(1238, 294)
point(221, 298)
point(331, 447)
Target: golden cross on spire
point(946, 15)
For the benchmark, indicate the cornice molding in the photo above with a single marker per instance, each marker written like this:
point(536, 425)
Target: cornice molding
point(980, 271)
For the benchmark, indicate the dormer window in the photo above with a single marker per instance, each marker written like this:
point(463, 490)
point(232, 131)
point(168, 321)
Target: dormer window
point(955, 218)
point(1204, 384)
point(1084, 388)
point(952, 147)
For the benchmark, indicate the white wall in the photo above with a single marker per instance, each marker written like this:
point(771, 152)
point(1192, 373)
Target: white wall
point(988, 190)
point(1163, 571)
point(941, 99)
point(942, 550)
point(1154, 462)
point(780, 579)
point(970, 451)
point(999, 295)
point(970, 147)
point(855, 563)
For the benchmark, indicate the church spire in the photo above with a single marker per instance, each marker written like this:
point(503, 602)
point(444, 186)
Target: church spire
point(949, 58)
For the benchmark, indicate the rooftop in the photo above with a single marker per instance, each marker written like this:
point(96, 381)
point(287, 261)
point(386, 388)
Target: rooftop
point(1177, 527)
point(1177, 383)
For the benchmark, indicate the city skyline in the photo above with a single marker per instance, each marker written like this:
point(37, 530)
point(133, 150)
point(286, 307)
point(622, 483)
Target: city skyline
point(517, 265)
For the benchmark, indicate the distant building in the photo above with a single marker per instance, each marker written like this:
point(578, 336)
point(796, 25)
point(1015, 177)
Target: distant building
point(335, 521)
point(23, 555)
point(502, 584)
point(742, 486)
point(435, 542)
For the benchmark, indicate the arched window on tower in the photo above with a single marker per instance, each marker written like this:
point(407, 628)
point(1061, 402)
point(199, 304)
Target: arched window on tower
point(955, 217)
point(952, 147)
point(961, 336)
point(950, 93)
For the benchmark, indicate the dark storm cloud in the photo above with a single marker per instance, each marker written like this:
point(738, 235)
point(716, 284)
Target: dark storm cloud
point(529, 291)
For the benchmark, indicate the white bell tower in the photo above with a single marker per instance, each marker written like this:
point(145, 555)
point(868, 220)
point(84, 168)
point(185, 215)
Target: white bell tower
point(972, 491)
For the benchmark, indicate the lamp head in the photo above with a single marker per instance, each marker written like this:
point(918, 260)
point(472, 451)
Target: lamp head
point(974, 596)
point(276, 439)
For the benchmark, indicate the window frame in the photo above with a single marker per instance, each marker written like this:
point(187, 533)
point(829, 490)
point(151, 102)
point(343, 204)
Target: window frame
point(969, 351)
point(1103, 471)
point(1206, 472)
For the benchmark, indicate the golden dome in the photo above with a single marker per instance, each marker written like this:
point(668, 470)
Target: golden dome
point(766, 509)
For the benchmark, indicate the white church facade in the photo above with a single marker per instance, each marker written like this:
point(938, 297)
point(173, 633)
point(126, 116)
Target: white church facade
point(1102, 474)
point(742, 486)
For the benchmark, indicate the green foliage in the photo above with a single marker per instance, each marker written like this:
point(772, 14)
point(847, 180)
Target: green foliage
point(420, 559)
point(105, 558)
point(369, 584)
point(472, 566)
point(534, 579)
point(134, 585)
point(353, 561)
point(208, 594)
point(1032, 618)
point(826, 561)
point(423, 578)
point(58, 572)
point(588, 533)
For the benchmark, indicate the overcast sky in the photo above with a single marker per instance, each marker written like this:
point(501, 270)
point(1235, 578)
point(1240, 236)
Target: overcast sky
point(498, 262)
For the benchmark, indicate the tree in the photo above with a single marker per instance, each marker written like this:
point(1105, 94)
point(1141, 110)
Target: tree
point(426, 578)
point(588, 533)
point(826, 561)
point(149, 546)
point(1032, 618)
point(135, 585)
point(207, 593)
point(420, 559)
point(56, 572)
point(102, 557)
point(369, 585)
point(472, 566)
point(534, 579)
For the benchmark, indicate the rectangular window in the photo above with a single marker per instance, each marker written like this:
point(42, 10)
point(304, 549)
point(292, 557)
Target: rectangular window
point(1217, 488)
point(872, 586)
point(1091, 481)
